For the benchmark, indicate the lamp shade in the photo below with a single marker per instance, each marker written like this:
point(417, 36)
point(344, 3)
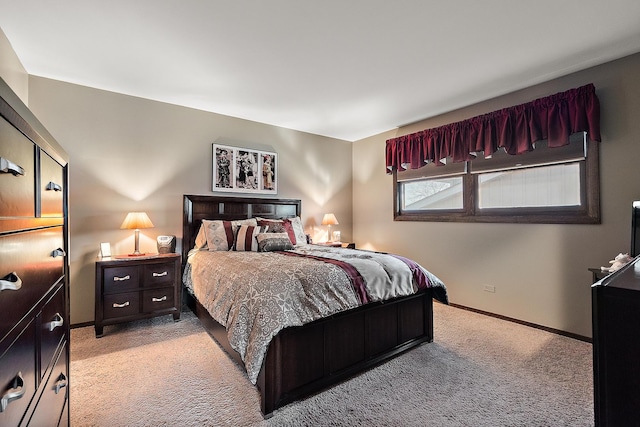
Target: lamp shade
point(136, 221)
point(329, 219)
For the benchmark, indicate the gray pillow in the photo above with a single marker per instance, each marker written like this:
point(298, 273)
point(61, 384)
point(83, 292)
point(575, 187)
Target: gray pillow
point(268, 242)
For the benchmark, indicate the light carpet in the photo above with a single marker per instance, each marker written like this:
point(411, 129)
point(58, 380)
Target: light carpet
point(479, 371)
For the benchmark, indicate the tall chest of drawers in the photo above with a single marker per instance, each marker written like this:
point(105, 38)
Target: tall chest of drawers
point(34, 314)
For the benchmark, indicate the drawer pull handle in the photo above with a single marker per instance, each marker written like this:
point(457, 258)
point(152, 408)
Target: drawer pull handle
point(10, 282)
point(56, 322)
point(164, 273)
point(123, 305)
point(164, 298)
point(121, 279)
point(16, 391)
point(7, 166)
point(60, 383)
point(58, 252)
point(53, 186)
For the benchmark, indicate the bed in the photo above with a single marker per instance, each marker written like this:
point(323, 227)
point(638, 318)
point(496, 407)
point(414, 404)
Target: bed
point(301, 360)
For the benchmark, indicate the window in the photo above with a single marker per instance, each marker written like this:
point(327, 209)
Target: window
point(546, 185)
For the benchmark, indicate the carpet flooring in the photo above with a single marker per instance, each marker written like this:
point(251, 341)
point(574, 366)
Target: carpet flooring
point(479, 371)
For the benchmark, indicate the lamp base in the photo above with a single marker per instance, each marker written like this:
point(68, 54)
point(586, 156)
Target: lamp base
point(137, 254)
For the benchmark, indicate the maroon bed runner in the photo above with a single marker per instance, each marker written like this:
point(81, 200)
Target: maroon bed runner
point(356, 279)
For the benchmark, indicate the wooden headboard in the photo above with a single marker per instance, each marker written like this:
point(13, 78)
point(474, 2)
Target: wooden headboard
point(196, 208)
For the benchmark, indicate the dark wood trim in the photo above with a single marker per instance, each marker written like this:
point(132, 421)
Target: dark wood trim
point(16, 113)
point(524, 323)
point(587, 213)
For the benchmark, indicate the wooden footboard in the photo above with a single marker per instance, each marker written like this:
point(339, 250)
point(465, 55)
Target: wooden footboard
point(303, 360)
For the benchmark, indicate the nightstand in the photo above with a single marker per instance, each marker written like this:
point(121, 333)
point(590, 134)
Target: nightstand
point(132, 288)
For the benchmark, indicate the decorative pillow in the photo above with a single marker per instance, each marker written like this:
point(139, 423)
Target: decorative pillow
point(219, 234)
point(246, 238)
point(268, 242)
point(279, 226)
point(298, 229)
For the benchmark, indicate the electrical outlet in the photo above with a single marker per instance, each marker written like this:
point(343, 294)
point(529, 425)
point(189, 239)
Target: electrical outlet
point(489, 288)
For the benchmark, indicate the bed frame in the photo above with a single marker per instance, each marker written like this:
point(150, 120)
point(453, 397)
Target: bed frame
point(303, 360)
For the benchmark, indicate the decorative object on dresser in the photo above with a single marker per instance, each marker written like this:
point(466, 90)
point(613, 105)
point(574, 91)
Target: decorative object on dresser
point(136, 221)
point(135, 288)
point(34, 270)
point(329, 219)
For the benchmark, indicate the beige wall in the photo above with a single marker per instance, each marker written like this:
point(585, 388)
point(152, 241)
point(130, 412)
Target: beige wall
point(133, 154)
point(539, 271)
point(12, 71)
point(129, 154)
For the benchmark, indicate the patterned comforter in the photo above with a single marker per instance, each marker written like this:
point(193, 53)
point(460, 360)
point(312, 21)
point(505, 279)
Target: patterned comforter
point(257, 294)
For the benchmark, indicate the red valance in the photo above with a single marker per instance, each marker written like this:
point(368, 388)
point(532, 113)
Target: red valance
point(515, 129)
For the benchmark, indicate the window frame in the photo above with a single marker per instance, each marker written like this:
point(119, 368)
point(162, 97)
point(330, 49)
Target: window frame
point(587, 213)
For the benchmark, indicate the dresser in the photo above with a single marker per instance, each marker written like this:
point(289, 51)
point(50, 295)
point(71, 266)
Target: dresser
point(34, 286)
point(616, 347)
point(136, 287)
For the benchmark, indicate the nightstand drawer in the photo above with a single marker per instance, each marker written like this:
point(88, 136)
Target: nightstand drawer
point(121, 305)
point(118, 279)
point(157, 299)
point(159, 274)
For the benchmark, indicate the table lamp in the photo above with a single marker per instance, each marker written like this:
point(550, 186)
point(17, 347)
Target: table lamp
point(136, 221)
point(329, 220)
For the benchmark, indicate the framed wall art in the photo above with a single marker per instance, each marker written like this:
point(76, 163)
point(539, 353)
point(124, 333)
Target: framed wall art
point(244, 170)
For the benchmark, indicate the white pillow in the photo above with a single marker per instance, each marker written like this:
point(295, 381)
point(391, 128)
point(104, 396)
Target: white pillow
point(298, 229)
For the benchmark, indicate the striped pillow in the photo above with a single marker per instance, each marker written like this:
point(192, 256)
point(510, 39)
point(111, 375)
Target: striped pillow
point(246, 238)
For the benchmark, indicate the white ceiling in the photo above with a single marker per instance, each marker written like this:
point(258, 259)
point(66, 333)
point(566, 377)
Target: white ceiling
point(347, 69)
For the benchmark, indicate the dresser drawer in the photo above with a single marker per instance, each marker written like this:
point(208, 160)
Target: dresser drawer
point(51, 187)
point(119, 279)
point(157, 299)
point(64, 418)
point(121, 305)
point(17, 375)
point(54, 396)
point(159, 274)
point(17, 172)
point(37, 266)
point(53, 327)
